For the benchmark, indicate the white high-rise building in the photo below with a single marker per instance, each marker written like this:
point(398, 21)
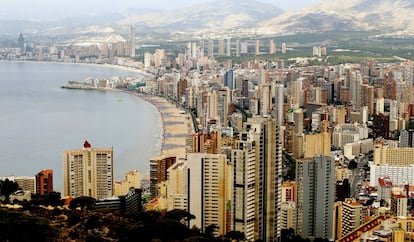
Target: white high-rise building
point(228, 47)
point(88, 172)
point(211, 48)
point(132, 42)
point(238, 47)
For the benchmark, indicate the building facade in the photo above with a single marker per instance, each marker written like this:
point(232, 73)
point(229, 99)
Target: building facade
point(44, 182)
point(88, 172)
point(315, 195)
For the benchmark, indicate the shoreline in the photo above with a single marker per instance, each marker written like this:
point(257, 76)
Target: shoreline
point(113, 66)
point(176, 127)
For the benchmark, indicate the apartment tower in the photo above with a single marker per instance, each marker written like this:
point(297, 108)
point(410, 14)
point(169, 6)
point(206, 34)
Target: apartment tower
point(88, 172)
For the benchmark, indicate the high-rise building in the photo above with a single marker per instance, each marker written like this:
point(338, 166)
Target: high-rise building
point(298, 119)
point(268, 171)
point(210, 191)
point(44, 182)
point(88, 172)
point(132, 42)
point(228, 47)
point(158, 171)
point(238, 51)
point(367, 97)
point(399, 203)
point(177, 186)
point(288, 209)
point(352, 216)
point(272, 46)
point(221, 47)
point(243, 158)
point(160, 57)
point(394, 156)
point(317, 144)
point(257, 52)
point(22, 44)
point(211, 48)
point(284, 48)
point(230, 80)
point(223, 101)
point(315, 197)
point(244, 48)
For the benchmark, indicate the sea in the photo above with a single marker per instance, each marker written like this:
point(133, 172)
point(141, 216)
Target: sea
point(39, 120)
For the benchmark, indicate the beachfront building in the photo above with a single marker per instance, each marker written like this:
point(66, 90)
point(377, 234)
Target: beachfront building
point(88, 172)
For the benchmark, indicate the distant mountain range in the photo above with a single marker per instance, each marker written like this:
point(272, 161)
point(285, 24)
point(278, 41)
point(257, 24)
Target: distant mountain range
point(389, 17)
point(219, 14)
point(394, 17)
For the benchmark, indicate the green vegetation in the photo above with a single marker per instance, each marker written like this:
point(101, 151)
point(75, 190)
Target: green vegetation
point(7, 187)
point(19, 227)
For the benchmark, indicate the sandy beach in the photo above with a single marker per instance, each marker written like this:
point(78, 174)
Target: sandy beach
point(176, 126)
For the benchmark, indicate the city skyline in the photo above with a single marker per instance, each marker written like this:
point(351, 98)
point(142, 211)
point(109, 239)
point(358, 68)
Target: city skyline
point(52, 10)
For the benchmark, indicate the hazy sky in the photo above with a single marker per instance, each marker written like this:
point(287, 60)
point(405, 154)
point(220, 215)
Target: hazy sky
point(53, 8)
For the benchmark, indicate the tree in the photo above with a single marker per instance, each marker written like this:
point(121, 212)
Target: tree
point(352, 164)
point(83, 202)
point(210, 231)
point(17, 226)
point(7, 187)
point(52, 199)
point(179, 215)
point(235, 235)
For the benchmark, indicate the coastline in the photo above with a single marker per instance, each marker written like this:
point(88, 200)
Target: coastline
point(176, 126)
point(119, 67)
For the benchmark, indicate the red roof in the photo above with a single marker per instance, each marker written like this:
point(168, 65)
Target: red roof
point(385, 182)
point(86, 145)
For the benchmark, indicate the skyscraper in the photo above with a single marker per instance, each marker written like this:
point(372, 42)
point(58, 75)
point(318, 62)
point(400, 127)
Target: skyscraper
point(272, 47)
point(221, 47)
point(158, 171)
point(268, 173)
point(88, 172)
point(284, 48)
point(209, 191)
point(238, 47)
point(132, 42)
point(230, 80)
point(44, 182)
point(22, 44)
point(315, 195)
point(211, 48)
point(228, 47)
point(257, 52)
point(243, 158)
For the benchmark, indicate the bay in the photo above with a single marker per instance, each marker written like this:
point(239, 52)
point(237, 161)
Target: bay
point(39, 120)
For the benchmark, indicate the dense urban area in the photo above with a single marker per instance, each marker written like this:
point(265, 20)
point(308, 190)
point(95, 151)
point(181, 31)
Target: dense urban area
point(266, 138)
